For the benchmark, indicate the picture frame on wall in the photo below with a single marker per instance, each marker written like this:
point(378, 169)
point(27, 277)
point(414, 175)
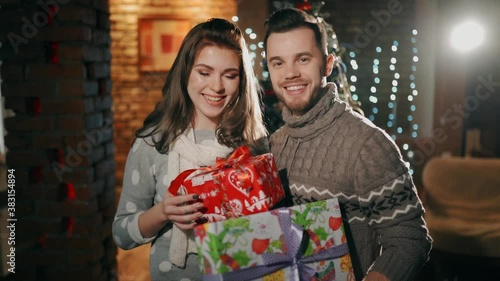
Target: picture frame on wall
point(160, 38)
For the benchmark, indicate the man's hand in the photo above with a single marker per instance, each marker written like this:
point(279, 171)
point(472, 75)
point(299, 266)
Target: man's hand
point(375, 276)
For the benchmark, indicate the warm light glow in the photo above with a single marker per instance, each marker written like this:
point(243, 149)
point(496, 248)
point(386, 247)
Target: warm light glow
point(467, 36)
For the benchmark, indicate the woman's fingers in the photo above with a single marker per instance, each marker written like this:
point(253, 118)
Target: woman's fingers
point(169, 199)
point(186, 205)
point(186, 222)
point(186, 218)
point(183, 210)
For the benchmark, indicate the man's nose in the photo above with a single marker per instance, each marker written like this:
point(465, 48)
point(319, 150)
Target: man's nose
point(291, 71)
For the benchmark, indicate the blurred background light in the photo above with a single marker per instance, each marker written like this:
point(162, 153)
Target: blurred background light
point(467, 36)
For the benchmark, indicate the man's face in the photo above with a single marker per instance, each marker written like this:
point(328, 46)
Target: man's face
point(298, 68)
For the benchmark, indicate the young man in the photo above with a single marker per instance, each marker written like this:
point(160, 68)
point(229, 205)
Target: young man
point(329, 151)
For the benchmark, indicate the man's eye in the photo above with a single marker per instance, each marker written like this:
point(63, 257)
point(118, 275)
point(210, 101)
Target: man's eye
point(304, 59)
point(277, 64)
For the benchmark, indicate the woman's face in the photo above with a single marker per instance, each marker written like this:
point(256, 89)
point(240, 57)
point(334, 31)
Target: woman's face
point(213, 83)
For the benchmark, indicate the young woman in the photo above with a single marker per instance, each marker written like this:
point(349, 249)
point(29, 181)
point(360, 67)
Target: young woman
point(210, 106)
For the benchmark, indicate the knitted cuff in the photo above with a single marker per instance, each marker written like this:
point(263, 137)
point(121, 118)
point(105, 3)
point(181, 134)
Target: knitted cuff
point(135, 232)
point(394, 266)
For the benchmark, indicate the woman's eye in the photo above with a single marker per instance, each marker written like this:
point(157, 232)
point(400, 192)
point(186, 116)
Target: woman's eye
point(231, 76)
point(204, 73)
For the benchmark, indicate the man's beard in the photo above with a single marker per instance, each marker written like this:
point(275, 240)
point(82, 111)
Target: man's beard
point(297, 107)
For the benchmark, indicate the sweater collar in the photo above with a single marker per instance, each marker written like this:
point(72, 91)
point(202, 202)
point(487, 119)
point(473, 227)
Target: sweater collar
point(317, 118)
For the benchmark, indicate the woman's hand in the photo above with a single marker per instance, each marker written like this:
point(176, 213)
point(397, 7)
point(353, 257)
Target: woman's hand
point(182, 210)
point(375, 276)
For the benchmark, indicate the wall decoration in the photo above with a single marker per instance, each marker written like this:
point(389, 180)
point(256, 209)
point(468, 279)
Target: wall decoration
point(160, 38)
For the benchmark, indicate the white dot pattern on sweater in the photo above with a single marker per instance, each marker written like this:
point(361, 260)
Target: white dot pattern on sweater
point(135, 177)
point(124, 223)
point(165, 266)
point(165, 180)
point(118, 241)
point(131, 207)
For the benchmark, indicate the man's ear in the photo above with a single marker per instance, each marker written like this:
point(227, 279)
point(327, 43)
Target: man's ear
point(330, 63)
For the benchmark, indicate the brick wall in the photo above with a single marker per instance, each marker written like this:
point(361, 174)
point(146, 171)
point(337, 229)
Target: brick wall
point(135, 93)
point(56, 83)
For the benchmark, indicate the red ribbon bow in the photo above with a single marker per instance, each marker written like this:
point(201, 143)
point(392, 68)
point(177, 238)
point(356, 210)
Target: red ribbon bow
point(240, 155)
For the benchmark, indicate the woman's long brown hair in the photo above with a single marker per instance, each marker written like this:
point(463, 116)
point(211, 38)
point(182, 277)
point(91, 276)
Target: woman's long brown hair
point(241, 122)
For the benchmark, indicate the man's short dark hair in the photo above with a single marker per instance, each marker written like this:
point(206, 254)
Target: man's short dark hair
point(289, 19)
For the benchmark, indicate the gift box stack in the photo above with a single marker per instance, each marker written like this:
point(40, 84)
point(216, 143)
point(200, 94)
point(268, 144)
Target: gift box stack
point(305, 242)
point(240, 185)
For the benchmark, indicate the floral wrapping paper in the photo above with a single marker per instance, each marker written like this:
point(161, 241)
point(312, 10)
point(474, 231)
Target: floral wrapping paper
point(240, 244)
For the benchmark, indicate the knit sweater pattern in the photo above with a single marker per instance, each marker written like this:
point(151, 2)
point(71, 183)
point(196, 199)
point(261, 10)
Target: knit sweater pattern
point(331, 151)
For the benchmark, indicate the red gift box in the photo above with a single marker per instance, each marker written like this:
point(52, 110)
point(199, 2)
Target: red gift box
point(240, 185)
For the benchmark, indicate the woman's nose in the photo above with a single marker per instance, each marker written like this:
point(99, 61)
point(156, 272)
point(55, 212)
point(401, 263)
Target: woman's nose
point(216, 84)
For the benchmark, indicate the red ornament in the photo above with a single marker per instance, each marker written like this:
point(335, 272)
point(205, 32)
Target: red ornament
point(42, 240)
point(37, 175)
point(60, 156)
point(54, 52)
point(70, 191)
point(52, 11)
point(304, 6)
point(33, 105)
point(67, 224)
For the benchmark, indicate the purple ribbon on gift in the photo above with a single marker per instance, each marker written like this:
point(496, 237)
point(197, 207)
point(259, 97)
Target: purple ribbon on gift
point(293, 258)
